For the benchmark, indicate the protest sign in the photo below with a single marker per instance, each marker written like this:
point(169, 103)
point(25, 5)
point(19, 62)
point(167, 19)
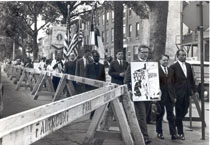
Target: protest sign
point(145, 81)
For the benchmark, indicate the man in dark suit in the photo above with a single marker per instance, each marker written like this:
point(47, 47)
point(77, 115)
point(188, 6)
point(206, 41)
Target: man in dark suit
point(184, 86)
point(143, 53)
point(168, 99)
point(95, 70)
point(70, 65)
point(117, 68)
point(81, 68)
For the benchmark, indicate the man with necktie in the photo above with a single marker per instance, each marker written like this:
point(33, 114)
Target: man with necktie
point(168, 98)
point(117, 68)
point(140, 107)
point(184, 85)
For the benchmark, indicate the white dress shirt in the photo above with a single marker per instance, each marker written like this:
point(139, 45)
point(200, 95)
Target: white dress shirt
point(183, 66)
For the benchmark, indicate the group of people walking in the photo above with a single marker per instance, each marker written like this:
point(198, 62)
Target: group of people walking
point(176, 84)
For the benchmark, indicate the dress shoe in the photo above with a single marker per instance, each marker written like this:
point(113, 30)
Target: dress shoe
point(181, 136)
point(173, 137)
point(160, 136)
point(147, 141)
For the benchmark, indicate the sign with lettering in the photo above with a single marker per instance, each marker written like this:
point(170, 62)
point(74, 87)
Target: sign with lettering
point(145, 81)
point(39, 122)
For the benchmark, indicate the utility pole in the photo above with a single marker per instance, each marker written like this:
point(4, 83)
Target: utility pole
point(202, 70)
point(181, 23)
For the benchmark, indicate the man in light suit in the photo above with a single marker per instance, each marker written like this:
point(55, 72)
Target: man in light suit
point(168, 98)
point(117, 68)
point(140, 108)
point(184, 86)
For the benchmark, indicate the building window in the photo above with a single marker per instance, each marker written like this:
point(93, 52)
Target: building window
point(112, 36)
point(112, 16)
point(124, 31)
point(103, 17)
point(137, 29)
point(107, 17)
point(102, 36)
point(129, 12)
point(130, 30)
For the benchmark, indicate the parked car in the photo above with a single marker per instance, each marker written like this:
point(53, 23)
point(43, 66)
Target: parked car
point(197, 74)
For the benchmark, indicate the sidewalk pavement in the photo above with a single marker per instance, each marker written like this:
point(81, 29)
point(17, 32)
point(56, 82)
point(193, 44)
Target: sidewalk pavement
point(73, 134)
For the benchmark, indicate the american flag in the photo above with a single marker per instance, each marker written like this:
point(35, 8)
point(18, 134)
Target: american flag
point(71, 43)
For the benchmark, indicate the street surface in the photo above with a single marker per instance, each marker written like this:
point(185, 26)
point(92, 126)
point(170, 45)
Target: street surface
point(73, 134)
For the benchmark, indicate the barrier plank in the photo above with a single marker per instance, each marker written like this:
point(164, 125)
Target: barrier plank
point(32, 114)
point(70, 88)
point(91, 132)
point(60, 88)
point(123, 123)
point(49, 120)
point(21, 80)
point(132, 120)
point(40, 85)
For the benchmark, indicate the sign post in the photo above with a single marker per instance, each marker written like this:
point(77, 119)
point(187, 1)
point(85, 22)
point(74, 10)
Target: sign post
point(196, 17)
point(202, 70)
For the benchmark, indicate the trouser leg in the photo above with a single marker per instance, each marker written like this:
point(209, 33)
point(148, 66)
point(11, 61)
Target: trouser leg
point(159, 117)
point(141, 115)
point(171, 118)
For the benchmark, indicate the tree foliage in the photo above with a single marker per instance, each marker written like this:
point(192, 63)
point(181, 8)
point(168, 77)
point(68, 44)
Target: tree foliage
point(21, 20)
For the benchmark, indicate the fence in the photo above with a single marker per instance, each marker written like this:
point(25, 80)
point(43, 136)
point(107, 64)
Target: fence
point(27, 127)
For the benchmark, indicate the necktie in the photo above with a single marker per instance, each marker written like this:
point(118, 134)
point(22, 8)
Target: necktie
point(121, 63)
point(165, 69)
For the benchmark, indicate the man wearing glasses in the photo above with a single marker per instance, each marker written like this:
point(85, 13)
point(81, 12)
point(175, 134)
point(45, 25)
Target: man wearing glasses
point(143, 53)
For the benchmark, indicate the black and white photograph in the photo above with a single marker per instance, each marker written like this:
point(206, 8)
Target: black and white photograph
point(104, 72)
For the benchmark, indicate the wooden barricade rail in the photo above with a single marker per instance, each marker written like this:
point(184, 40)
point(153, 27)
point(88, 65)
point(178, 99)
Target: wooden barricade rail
point(30, 126)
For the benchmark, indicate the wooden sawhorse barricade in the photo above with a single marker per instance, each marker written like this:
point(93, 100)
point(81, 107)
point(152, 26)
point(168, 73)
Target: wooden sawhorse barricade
point(30, 126)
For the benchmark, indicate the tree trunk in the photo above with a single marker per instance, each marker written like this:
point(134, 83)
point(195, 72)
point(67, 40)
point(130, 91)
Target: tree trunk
point(23, 50)
point(158, 27)
point(35, 46)
point(118, 26)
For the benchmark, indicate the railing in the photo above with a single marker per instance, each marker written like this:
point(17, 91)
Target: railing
point(30, 126)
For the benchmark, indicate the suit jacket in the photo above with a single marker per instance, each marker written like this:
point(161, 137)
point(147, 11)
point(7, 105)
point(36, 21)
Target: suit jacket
point(95, 71)
point(80, 68)
point(70, 67)
point(115, 69)
point(183, 84)
point(166, 85)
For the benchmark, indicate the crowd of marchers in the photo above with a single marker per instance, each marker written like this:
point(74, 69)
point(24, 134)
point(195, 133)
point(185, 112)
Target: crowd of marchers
point(176, 84)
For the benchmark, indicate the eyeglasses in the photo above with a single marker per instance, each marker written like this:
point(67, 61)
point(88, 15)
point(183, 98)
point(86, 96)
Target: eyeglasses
point(144, 52)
